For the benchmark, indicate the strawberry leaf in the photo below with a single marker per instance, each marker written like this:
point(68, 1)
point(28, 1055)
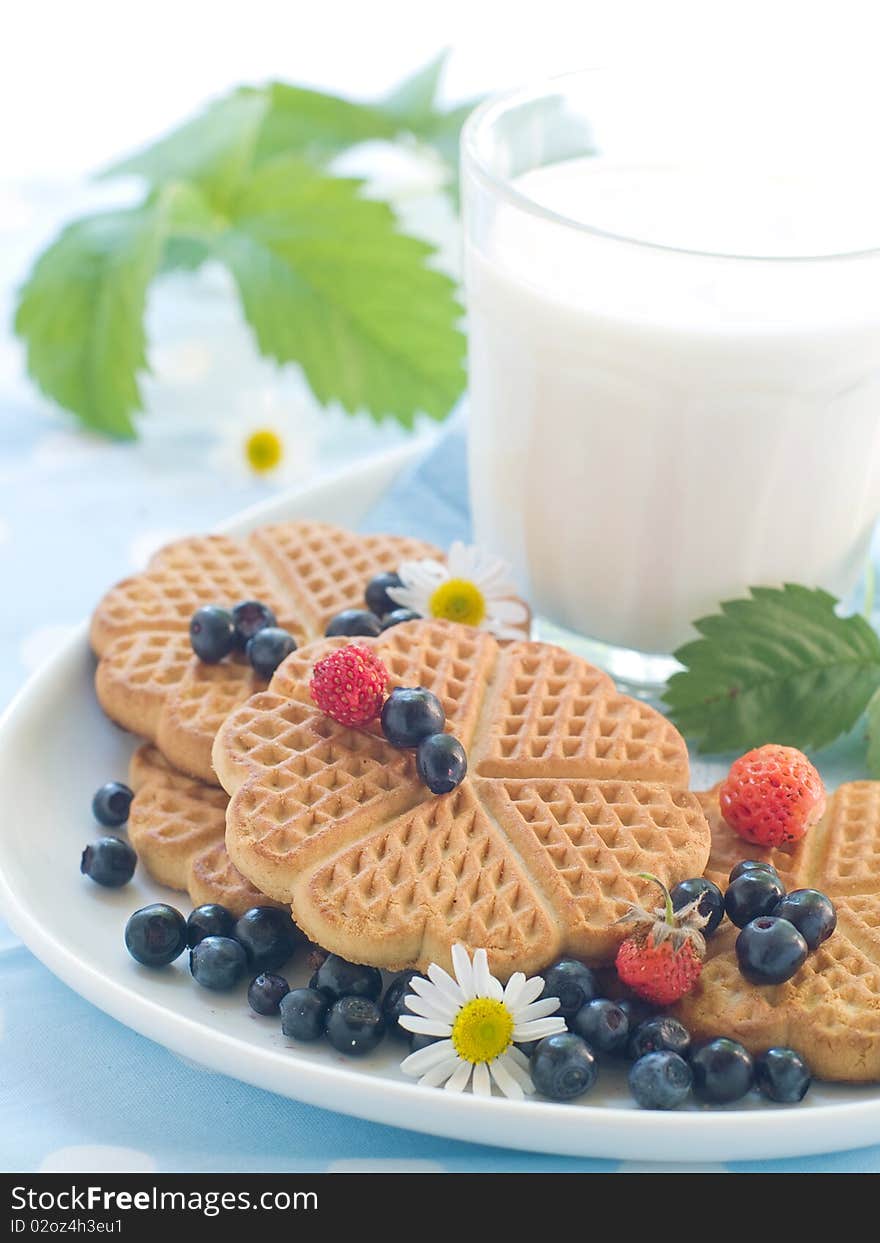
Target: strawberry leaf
point(781, 666)
point(326, 280)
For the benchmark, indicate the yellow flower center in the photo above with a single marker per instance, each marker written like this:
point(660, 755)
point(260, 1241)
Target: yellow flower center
point(458, 600)
point(263, 450)
point(482, 1030)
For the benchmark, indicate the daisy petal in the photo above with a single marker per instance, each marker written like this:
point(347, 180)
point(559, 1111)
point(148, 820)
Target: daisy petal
point(518, 1073)
point(484, 982)
point(536, 1030)
point(516, 1055)
point(423, 1060)
point(438, 1075)
point(505, 1080)
point(464, 972)
point(509, 611)
point(513, 990)
point(429, 1008)
point(536, 1010)
point(482, 1085)
point(427, 1027)
point(460, 1078)
point(442, 980)
point(531, 990)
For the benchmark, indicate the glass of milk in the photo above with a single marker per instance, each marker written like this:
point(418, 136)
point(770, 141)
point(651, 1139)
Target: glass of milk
point(674, 337)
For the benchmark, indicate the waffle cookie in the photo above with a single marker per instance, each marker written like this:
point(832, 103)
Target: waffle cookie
point(177, 826)
point(830, 1010)
point(148, 679)
point(573, 789)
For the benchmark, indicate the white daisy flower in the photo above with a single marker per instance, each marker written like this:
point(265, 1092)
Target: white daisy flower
point(275, 439)
point(478, 1024)
point(473, 588)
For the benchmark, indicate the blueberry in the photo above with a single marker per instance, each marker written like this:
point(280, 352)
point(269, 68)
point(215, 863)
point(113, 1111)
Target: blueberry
point(155, 935)
point(303, 1013)
point(419, 1041)
point(723, 1071)
point(409, 714)
point(111, 804)
point(210, 920)
point(266, 992)
point(749, 865)
point(570, 981)
point(636, 1010)
point(355, 1025)
point(212, 633)
point(782, 1075)
point(811, 913)
point(770, 950)
point(660, 1080)
point(110, 861)
point(752, 894)
point(441, 762)
point(602, 1023)
point(392, 1003)
point(711, 900)
point(217, 963)
point(563, 1066)
point(339, 978)
point(660, 1032)
point(268, 936)
point(353, 622)
point(396, 616)
point(376, 596)
point(268, 648)
point(249, 617)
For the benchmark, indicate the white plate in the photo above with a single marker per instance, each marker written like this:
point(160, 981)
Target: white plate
point(56, 747)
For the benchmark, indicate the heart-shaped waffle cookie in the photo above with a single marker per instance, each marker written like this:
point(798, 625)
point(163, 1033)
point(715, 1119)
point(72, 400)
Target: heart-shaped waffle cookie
point(148, 679)
point(177, 826)
point(830, 1010)
point(573, 789)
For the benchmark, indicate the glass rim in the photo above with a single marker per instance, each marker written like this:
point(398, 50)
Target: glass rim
point(488, 112)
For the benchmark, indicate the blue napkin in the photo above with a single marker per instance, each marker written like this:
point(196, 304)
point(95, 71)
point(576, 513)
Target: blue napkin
point(429, 500)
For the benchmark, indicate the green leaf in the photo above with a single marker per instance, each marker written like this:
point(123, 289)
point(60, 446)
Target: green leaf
point(781, 666)
point(414, 104)
point(215, 149)
point(81, 314)
point(326, 280)
point(873, 753)
point(318, 126)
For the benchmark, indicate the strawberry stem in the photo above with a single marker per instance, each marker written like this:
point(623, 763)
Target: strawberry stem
point(667, 900)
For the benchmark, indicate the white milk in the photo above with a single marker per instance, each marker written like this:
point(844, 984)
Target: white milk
point(653, 431)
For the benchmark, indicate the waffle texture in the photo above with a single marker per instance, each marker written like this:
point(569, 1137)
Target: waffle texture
point(148, 680)
point(830, 1010)
point(572, 790)
point(177, 826)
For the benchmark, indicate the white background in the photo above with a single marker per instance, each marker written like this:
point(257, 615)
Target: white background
point(82, 82)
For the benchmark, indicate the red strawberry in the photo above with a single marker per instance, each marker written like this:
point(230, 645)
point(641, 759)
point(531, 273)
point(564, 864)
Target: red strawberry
point(772, 795)
point(349, 685)
point(662, 958)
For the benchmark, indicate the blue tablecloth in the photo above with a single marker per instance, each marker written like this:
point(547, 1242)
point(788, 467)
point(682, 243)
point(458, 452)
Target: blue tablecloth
point(78, 1091)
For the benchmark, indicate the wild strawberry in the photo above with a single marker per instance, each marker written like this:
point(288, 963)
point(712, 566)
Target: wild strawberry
point(662, 958)
point(772, 795)
point(349, 685)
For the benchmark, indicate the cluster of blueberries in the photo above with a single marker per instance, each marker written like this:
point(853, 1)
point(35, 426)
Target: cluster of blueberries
point(665, 1068)
point(414, 717)
point(779, 929)
point(251, 627)
point(380, 614)
point(110, 861)
point(345, 1002)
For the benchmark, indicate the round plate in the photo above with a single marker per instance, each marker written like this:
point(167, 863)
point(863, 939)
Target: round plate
point(56, 747)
